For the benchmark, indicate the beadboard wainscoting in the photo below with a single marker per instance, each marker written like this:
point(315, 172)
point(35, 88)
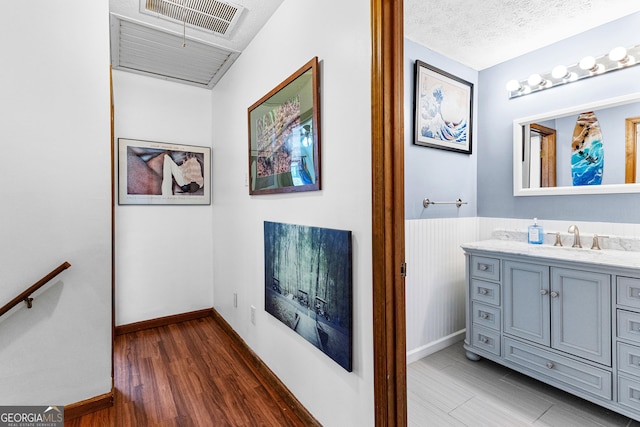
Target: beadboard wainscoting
point(435, 284)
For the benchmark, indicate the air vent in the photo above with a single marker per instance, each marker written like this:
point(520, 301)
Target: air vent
point(163, 54)
point(212, 15)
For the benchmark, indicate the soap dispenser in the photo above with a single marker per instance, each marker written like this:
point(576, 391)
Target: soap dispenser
point(536, 234)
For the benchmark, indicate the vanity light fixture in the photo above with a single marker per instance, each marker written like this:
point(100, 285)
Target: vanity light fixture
point(589, 66)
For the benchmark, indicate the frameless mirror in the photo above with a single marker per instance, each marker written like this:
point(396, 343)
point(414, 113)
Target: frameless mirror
point(587, 149)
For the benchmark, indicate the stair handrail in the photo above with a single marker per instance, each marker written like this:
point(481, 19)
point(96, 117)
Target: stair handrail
point(26, 295)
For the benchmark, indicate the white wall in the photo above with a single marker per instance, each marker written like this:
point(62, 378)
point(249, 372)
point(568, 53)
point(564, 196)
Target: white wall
point(299, 30)
point(55, 201)
point(163, 253)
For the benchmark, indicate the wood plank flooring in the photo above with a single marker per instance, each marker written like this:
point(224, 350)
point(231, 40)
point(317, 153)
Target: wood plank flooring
point(187, 374)
point(447, 389)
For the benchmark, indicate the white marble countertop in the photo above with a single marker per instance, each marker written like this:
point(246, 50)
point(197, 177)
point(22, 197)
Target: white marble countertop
point(603, 257)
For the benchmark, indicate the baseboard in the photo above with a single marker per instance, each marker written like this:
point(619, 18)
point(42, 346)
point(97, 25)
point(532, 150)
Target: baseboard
point(263, 371)
point(435, 346)
point(88, 406)
point(162, 321)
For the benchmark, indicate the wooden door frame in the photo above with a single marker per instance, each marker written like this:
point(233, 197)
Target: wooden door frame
point(387, 145)
point(547, 154)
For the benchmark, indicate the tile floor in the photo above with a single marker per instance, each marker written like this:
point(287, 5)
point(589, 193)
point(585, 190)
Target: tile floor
point(447, 389)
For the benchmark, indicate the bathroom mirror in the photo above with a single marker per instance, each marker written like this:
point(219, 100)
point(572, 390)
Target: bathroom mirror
point(587, 149)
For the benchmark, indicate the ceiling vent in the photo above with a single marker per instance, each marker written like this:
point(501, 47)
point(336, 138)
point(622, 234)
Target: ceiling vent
point(216, 16)
point(156, 52)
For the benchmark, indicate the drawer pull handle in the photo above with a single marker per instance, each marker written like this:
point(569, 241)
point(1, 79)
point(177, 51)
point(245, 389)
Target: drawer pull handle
point(484, 315)
point(543, 291)
point(554, 294)
point(549, 365)
point(484, 340)
point(483, 267)
point(483, 291)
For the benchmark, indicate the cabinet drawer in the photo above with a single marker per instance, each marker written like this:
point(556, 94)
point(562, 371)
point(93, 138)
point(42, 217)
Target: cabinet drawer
point(629, 359)
point(559, 369)
point(629, 325)
point(628, 291)
point(629, 392)
point(486, 315)
point(486, 339)
point(485, 292)
point(485, 268)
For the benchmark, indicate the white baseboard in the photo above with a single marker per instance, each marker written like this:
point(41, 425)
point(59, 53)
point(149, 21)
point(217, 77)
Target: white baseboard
point(432, 347)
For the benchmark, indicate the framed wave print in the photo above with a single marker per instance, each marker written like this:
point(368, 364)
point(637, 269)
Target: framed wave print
point(443, 109)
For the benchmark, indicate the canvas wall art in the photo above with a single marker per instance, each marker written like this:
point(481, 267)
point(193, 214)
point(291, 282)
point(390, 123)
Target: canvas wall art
point(158, 173)
point(308, 285)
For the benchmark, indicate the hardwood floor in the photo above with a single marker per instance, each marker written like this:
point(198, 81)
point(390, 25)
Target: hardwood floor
point(447, 389)
point(187, 374)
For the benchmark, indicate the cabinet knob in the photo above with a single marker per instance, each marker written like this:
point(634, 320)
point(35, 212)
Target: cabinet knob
point(484, 340)
point(483, 291)
point(483, 267)
point(554, 294)
point(549, 365)
point(484, 315)
point(543, 291)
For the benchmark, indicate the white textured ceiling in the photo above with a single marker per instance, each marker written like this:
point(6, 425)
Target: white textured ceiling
point(483, 33)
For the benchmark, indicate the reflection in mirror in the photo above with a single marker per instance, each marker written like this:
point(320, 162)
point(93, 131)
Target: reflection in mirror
point(632, 132)
point(587, 149)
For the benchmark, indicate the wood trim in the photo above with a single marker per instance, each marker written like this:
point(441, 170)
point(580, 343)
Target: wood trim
point(262, 371)
point(387, 141)
point(113, 226)
point(162, 321)
point(631, 149)
point(88, 406)
point(547, 154)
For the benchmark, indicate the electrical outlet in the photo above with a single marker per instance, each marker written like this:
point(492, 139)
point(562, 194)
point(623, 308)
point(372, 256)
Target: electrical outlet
point(253, 315)
point(235, 300)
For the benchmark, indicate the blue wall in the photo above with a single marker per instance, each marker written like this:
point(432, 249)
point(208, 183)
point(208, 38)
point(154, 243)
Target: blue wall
point(439, 175)
point(496, 113)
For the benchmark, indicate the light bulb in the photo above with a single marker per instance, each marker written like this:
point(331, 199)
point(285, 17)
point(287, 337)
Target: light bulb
point(619, 54)
point(535, 80)
point(513, 86)
point(587, 63)
point(560, 72)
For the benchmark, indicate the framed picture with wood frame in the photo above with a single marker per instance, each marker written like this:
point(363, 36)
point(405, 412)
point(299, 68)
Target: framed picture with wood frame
point(443, 109)
point(284, 135)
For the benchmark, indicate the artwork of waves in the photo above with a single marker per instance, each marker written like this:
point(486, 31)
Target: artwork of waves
point(434, 125)
point(588, 164)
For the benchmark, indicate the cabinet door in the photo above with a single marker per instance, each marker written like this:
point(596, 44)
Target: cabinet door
point(526, 301)
point(581, 313)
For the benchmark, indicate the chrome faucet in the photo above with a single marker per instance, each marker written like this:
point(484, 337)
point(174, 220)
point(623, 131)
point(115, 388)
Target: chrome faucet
point(576, 236)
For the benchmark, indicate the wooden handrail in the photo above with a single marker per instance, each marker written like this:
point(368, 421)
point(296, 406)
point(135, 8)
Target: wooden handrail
point(25, 296)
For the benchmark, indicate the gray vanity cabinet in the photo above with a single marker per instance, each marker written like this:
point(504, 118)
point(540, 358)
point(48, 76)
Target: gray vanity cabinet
point(572, 324)
point(565, 309)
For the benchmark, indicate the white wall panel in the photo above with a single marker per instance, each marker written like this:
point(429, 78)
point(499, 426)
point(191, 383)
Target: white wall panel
point(435, 282)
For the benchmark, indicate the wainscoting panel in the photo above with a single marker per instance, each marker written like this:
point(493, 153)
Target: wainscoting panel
point(435, 284)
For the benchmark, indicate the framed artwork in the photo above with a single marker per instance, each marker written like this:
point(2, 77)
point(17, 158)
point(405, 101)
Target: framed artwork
point(443, 109)
point(308, 285)
point(284, 135)
point(159, 173)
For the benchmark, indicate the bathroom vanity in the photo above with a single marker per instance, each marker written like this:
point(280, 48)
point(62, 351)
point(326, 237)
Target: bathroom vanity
point(569, 317)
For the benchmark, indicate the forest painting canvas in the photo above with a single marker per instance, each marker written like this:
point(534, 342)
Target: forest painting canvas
point(308, 285)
